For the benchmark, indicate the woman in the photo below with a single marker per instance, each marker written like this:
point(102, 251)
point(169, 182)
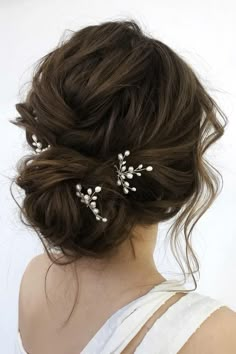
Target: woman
point(118, 123)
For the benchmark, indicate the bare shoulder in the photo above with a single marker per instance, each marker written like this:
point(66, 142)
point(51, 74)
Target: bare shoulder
point(31, 281)
point(33, 270)
point(41, 276)
point(217, 334)
point(36, 262)
point(32, 286)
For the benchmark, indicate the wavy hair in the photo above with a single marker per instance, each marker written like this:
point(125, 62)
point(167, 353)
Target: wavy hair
point(108, 88)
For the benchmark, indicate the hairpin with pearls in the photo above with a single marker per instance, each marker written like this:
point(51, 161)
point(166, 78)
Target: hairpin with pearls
point(38, 144)
point(124, 172)
point(89, 200)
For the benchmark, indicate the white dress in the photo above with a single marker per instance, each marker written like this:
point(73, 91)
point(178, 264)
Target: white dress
point(168, 334)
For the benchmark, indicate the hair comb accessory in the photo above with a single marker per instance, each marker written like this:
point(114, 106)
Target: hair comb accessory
point(123, 172)
point(89, 200)
point(38, 145)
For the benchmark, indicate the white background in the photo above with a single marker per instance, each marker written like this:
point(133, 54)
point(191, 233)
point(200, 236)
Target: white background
point(201, 31)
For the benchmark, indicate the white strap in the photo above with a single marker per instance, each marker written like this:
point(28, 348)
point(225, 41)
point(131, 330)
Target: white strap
point(172, 330)
point(133, 321)
point(124, 324)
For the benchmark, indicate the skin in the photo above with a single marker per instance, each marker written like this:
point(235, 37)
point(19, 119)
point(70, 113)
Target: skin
point(105, 286)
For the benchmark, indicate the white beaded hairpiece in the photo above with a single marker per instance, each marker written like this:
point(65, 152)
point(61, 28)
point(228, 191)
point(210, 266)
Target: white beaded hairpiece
point(122, 173)
point(89, 200)
point(38, 145)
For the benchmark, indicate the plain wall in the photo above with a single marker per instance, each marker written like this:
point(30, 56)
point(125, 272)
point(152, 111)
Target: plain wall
point(203, 32)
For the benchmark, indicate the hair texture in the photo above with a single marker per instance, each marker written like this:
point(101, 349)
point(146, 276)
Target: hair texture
point(106, 89)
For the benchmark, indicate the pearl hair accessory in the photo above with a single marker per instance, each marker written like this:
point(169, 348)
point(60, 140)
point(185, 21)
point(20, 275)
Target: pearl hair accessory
point(38, 144)
point(89, 200)
point(123, 173)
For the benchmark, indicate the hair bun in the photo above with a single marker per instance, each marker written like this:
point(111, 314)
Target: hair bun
point(52, 206)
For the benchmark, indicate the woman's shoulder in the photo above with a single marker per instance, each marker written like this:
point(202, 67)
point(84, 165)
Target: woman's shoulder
point(32, 282)
point(32, 301)
point(193, 323)
point(32, 275)
point(33, 270)
point(216, 334)
point(37, 266)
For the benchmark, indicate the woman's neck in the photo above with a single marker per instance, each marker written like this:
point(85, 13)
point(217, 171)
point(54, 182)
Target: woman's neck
point(123, 270)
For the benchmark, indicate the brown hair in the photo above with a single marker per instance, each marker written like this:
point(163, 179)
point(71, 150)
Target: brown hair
point(106, 89)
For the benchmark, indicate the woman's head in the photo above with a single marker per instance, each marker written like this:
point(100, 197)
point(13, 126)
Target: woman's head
point(107, 89)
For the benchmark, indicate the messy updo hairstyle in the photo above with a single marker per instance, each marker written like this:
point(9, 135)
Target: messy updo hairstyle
point(106, 89)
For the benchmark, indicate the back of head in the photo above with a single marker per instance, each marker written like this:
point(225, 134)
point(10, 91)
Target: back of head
point(107, 89)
